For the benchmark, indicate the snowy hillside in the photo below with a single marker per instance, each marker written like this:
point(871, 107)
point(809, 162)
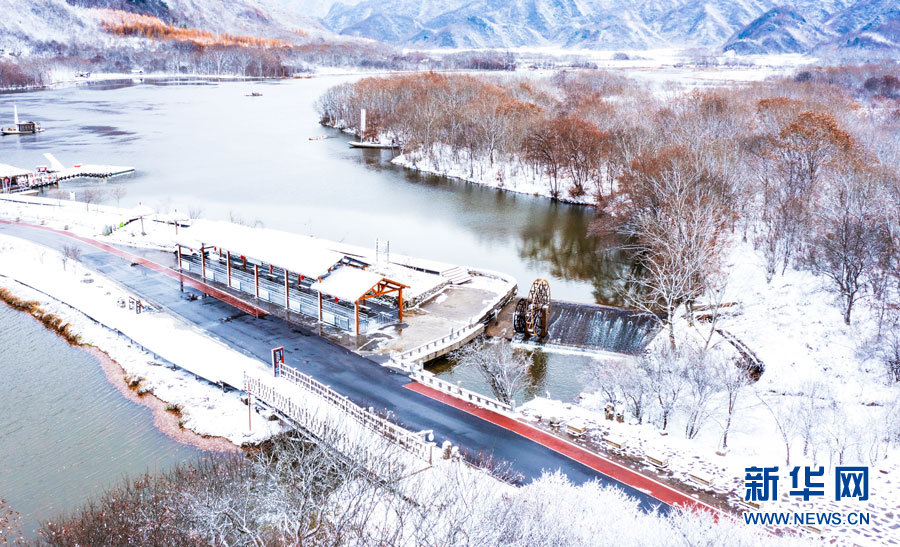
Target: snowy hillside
point(743, 26)
point(866, 25)
point(779, 30)
point(56, 27)
point(607, 24)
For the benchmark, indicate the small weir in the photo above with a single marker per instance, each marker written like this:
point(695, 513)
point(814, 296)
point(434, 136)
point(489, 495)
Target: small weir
point(588, 327)
point(600, 328)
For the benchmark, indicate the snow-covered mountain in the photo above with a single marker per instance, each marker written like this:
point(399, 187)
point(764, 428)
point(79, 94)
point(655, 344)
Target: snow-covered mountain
point(866, 24)
point(779, 30)
point(870, 24)
point(742, 26)
point(608, 24)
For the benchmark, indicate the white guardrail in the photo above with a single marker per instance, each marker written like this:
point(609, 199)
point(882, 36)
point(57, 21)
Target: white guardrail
point(425, 352)
point(301, 413)
point(430, 380)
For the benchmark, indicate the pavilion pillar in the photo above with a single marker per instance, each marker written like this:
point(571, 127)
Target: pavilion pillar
point(179, 257)
point(320, 305)
point(287, 289)
point(202, 261)
point(400, 303)
point(356, 309)
point(228, 265)
point(256, 278)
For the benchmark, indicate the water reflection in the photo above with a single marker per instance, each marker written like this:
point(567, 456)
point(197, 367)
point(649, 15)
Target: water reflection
point(537, 375)
point(561, 375)
point(548, 237)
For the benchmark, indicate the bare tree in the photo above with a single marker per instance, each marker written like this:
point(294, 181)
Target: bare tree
point(850, 238)
point(732, 377)
point(92, 196)
point(606, 376)
point(665, 369)
point(636, 391)
point(70, 252)
point(195, 212)
point(118, 192)
point(235, 218)
point(504, 369)
point(801, 149)
point(701, 387)
point(676, 229)
point(889, 352)
point(544, 149)
point(784, 413)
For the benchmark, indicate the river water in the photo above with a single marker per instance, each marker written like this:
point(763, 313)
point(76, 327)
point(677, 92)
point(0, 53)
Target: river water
point(207, 145)
point(66, 433)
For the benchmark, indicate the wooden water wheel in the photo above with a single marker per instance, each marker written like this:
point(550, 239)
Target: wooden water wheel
point(532, 314)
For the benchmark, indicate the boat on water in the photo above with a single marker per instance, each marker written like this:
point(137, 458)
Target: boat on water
point(21, 128)
point(363, 144)
point(254, 94)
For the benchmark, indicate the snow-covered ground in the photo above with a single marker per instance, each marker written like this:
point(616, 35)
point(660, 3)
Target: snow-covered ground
point(511, 176)
point(73, 293)
point(823, 385)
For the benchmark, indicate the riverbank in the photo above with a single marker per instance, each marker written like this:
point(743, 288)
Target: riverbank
point(166, 416)
point(501, 174)
point(86, 301)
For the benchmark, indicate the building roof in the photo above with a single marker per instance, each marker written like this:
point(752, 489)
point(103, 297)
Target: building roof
point(297, 253)
point(347, 283)
point(12, 171)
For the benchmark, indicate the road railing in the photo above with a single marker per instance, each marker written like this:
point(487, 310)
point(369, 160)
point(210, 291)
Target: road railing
point(300, 412)
point(439, 346)
point(429, 379)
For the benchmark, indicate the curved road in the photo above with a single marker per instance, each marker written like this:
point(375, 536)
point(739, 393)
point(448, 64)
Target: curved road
point(363, 381)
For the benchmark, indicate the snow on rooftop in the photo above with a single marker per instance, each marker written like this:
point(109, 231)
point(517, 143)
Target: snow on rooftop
point(7, 170)
point(297, 253)
point(347, 283)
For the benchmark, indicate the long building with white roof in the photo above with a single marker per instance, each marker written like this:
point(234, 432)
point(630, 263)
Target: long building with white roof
point(298, 272)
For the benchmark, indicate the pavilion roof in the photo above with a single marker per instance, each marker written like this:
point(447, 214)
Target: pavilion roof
point(297, 253)
point(348, 283)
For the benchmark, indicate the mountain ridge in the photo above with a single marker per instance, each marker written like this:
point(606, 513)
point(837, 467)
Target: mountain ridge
point(740, 26)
